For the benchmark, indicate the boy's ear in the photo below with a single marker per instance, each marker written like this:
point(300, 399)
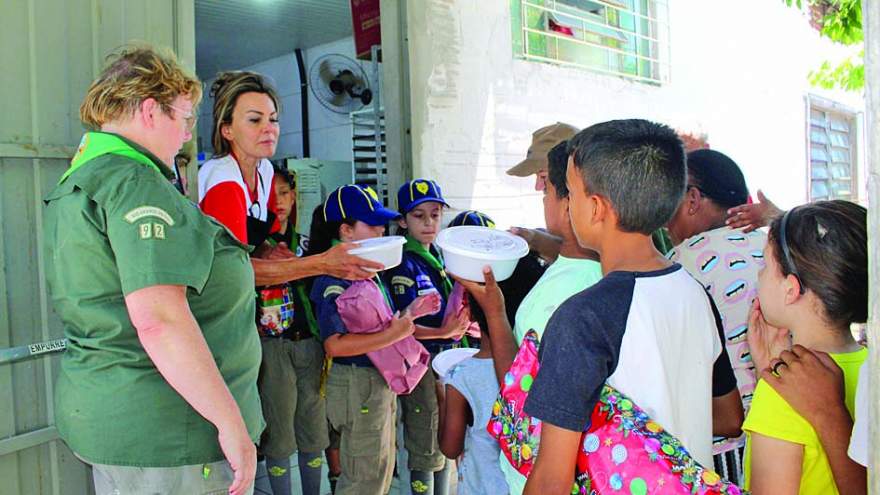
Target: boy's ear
point(692, 198)
point(602, 209)
point(564, 205)
point(401, 222)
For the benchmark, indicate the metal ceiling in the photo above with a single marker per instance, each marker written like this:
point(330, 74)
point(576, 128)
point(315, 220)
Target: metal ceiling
point(231, 34)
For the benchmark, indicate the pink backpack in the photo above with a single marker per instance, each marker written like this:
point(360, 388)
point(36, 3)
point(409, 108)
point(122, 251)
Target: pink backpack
point(622, 450)
point(363, 309)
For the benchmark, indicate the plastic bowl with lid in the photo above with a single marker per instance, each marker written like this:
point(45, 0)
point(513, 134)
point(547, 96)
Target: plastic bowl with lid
point(467, 249)
point(447, 359)
point(385, 250)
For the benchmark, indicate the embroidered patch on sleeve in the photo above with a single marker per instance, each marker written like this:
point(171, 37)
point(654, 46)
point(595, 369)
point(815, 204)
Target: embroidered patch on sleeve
point(148, 211)
point(331, 290)
point(151, 230)
point(401, 280)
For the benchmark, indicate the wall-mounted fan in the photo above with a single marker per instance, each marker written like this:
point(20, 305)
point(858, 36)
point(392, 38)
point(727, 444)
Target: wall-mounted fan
point(340, 84)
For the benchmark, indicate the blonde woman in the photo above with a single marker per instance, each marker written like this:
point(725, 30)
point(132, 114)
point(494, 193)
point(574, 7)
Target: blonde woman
point(158, 388)
point(237, 188)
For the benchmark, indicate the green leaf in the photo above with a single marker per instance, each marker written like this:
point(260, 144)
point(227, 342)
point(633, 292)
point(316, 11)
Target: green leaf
point(848, 74)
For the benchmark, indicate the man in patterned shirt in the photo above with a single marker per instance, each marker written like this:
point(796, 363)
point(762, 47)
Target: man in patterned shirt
point(726, 262)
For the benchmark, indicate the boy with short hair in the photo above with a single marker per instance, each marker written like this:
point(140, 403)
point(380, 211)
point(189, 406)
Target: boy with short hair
point(641, 328)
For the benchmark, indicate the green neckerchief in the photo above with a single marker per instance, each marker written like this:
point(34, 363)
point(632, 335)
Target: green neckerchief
point(384, 291)
point(299, 287)
point(95, 144)
point(377, 279)
point(435, 262)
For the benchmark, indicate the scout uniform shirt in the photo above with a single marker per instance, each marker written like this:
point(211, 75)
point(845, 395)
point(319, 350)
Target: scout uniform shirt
point(324, 293)
point(416, 276)
point(114, 225)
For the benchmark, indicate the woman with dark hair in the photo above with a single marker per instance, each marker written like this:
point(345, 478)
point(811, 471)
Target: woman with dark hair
point(815, 283)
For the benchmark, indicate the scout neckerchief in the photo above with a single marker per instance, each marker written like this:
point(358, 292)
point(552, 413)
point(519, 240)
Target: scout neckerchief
point(435, 262)
point(376, 279)
point(95, 144)
point(384, 291)
point(300, 287)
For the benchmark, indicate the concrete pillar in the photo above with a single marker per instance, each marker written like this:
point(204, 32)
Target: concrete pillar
point(871, 26)
point(395, 94)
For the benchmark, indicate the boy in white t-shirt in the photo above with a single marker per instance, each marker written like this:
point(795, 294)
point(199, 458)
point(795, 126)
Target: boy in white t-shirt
point(642, 327)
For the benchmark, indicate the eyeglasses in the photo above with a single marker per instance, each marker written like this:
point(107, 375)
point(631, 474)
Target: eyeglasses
point(786, 253)
point(189, 120)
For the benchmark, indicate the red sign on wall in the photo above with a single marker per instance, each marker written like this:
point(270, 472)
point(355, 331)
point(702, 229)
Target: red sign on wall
point(366, 27)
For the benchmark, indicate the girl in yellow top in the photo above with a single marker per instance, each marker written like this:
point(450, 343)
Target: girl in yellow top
point(815, 283)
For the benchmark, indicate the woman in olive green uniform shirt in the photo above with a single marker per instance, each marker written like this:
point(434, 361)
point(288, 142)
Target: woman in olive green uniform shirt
point(158, 387)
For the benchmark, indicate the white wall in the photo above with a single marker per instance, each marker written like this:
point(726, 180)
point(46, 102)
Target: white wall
point(329, 132)
point(739, 74)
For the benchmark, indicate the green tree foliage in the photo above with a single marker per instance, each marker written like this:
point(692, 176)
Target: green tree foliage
point(839, 21)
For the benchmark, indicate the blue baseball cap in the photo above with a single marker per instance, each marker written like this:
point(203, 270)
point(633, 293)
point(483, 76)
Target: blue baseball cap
point(472, 217)
point(356, 202)
point(416, 192)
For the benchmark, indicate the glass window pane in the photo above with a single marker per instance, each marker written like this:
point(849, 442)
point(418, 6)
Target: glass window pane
point(840, 139)
point(620, 25)
point(840, 155)
point(839, 189)
point(839, 124)
point(839, 170)
point(818, 154)
point(818, 135)
point(819, 171)
point(580, 7)
point(537, 44)
point(535, 18)
point(818, 190)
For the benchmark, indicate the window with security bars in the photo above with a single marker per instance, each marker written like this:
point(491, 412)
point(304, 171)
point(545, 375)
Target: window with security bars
point(628, 38)
point(832, 141)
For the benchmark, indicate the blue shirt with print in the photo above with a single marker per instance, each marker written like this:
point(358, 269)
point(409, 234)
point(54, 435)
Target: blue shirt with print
point(413, 278)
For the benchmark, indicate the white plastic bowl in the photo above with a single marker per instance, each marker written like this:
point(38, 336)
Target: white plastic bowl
point(467, 249)
point(385, 250)
point(446, 360)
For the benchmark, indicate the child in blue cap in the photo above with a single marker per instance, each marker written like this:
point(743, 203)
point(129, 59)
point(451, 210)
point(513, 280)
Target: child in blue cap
point(474, 218)
point(421, 203)
point(360, 404)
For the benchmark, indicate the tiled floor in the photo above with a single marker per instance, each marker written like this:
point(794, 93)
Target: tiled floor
point(262, 485)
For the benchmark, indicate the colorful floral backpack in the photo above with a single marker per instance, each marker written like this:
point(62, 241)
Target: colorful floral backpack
point(624, 451)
